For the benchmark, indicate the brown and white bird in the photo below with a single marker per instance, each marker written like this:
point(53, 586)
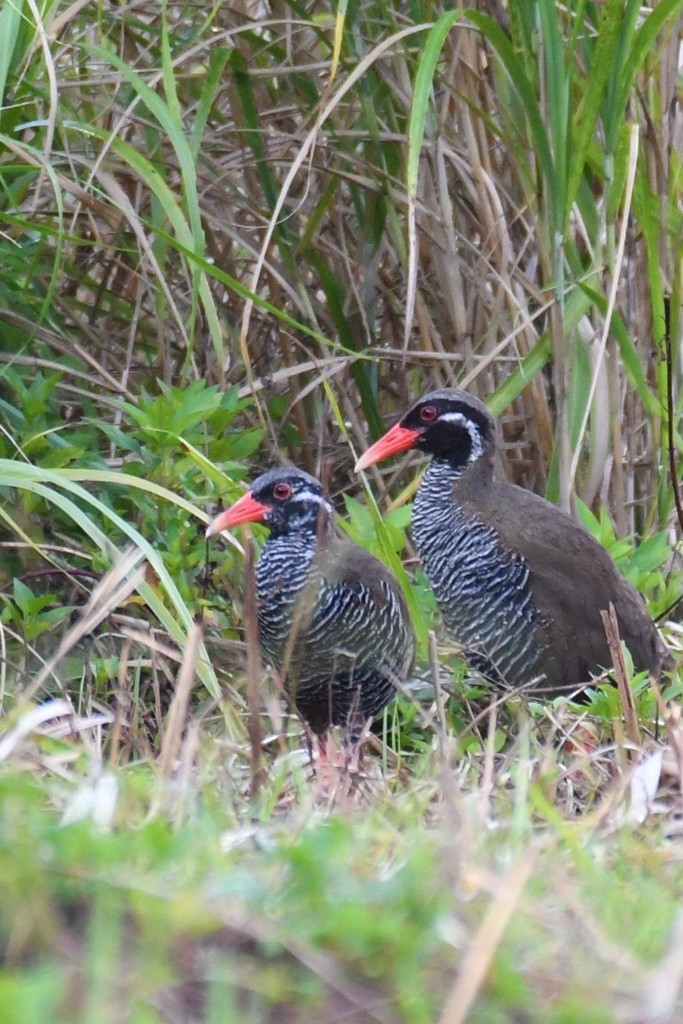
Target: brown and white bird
point(519, 583)
point(331, 617)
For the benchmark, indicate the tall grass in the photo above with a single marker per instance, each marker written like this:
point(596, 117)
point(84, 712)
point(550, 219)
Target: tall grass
point(172, 154)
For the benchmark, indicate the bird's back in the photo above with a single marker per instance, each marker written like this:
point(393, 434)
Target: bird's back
point(572, 578)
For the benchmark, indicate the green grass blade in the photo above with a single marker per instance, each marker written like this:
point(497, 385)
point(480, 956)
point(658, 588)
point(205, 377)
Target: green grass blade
point(556, 110)
point(193, 233)
point(522, 86)
point(631, 361)
point(10, 23)
point(49, 485)
point(416, 128)
point(519, 379)
point(593, 91)
point(210, 87)
point(663, 12)
point(422, 90)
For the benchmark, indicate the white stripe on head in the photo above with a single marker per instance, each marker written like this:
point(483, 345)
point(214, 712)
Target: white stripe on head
point(476, 443)
point(312, 496)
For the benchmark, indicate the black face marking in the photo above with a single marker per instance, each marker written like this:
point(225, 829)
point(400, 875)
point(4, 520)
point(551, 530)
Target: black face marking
point(452, 425)
point(295, 500)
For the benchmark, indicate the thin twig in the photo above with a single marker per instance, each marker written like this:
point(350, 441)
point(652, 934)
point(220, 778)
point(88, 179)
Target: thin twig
point(478, 959)
point(176, 720)
point(628, 704)
point(254, 670)
point(115, 587)
point(438, 694)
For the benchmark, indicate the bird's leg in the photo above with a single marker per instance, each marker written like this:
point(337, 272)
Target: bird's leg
point(354, 734)
point(322, 748)
point(353, 745)
point(316, 745)
point(328, 772)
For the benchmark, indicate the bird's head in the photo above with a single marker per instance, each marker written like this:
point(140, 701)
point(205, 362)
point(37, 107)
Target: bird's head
point(448, 424)
point(286, 500)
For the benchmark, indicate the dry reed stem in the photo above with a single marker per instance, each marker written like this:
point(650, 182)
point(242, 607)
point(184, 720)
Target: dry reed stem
point(487, 782)
point(115, 587)
point(611, 304)
point(435, 671)
point(660, 994)
point(176, 719)
point(254, 667)
point(479, 956)
point(672, 722)
point(122, 702)
point(322, 115)
point(628, 704)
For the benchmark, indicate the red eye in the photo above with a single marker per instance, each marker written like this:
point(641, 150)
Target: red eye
point(282, 492)
point(428, 413)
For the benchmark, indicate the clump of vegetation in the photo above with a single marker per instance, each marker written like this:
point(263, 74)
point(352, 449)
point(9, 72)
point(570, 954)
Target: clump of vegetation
point(245, 233)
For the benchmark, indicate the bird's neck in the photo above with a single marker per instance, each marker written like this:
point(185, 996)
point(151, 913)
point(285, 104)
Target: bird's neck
point(299, 544)
point(307, 527)
point(285, 567)
point(293, 551)
point(434, 511)
point(444, 481)
point(439, 500)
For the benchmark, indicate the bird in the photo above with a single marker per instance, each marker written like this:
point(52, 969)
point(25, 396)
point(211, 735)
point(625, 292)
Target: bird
point(332, 620)
point(519, 583)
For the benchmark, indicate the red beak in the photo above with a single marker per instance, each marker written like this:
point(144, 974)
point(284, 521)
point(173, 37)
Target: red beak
point(398, 439)
point(246, 510)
